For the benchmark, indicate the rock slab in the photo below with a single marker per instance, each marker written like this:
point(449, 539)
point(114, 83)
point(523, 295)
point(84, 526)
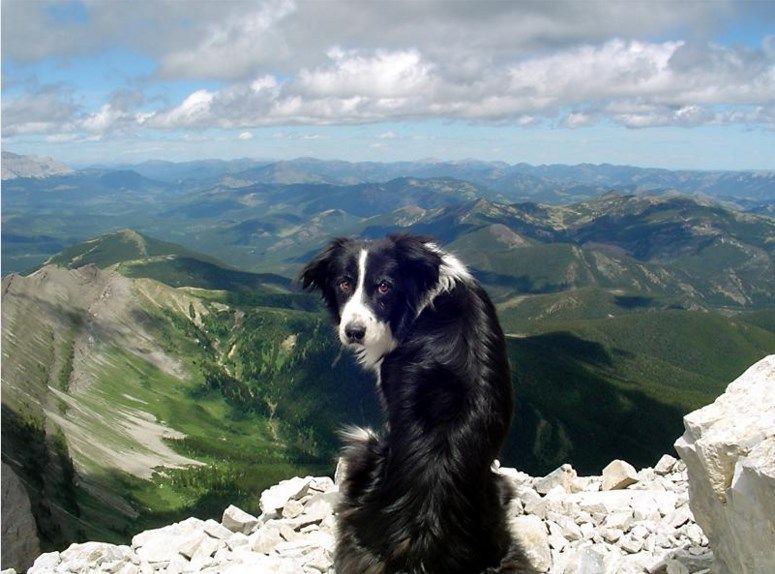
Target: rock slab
point(729, 451)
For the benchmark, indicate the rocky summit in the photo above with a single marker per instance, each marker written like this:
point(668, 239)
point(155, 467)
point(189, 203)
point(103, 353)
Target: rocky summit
point(568, 523)
point(624, 521)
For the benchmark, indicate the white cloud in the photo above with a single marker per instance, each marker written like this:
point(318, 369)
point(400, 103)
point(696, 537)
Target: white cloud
point(380, 75)
point(389, 135)
point(636, 84)
point(193, 111)
point(326, 63)
point(245, 136)
point(232, 47)
point(240, 38)
point(577, 120)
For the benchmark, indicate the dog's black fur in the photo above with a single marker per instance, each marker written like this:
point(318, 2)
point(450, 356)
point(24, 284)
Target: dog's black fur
point(421, 496)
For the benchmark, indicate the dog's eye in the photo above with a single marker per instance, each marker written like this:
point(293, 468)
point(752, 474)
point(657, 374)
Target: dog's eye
point(345, 286)
point(383, 287)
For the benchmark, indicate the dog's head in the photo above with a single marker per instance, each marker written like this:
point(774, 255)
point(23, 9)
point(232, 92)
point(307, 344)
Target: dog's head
point(375, 289)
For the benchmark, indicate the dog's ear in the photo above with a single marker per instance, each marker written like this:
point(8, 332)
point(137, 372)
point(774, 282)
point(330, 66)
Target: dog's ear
point(315, 274)
point(420, 263)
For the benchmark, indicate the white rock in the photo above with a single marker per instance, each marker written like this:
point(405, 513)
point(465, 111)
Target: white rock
point(322, 484)
point(675, 567)
point(128, 568)
point(189, 546)
point(237, 520)
point(665, 464)
point(619, 520)
point(618, 474)
point(592, 560)
point(237, 539)
point(217, 530)
point(557, 541)
point(729, 451)
point(630, 544)
point(562, 477)
point(635, 563)
point(648, 508)
point(531, 533)
point(94, 554)
point(587, 530)
point(319, 560)
point(161, 544)
point(694, 533)
point(273, 499)
point(639, 532)
point(177, 565)
point(265, 540)
point(679, 517)
point(292, 509)
point(570, 529)
point(532, 501)
point(206, 549)
point(581, 483)
point(515, 476)
point(45, 563)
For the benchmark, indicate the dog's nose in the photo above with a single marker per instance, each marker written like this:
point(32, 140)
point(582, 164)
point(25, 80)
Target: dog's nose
point(355, 332)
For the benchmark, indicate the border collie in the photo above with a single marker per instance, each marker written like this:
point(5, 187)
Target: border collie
point(420, 497)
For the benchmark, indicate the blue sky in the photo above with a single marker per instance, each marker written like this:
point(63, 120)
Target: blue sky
point(673, 84)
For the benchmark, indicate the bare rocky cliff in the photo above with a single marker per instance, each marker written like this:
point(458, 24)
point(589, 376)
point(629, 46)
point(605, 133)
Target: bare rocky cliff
point(15, 166)
point(729, 449)
point(20, 544)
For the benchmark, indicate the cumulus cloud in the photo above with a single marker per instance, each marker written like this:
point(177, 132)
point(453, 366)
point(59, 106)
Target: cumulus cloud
point(577, 120)
point(240, 38)
point(634, 83)
point(232, 47)
point(45, 109)
point(517, 63)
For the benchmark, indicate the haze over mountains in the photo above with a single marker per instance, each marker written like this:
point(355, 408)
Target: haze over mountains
point(219, 199)
point(156, 310)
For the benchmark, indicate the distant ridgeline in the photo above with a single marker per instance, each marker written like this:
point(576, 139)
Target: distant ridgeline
point(144, 381)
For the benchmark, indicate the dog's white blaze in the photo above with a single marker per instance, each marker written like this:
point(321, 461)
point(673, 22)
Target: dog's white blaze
point(378, 340)
point(451, 272)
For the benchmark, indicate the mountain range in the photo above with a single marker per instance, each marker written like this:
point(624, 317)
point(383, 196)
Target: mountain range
point(162, 317)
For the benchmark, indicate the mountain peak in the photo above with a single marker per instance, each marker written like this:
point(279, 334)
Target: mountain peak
point(28, 166)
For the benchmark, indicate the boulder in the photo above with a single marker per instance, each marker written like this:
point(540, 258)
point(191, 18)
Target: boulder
point(274, 499)
point(618, 474)
point(531, 534)
point(562, 476)
point(665, 464)
point(729, 451)
point(237, 520)
point(161, 545)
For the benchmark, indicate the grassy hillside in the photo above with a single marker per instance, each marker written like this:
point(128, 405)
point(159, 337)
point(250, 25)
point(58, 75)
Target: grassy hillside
point(120, 246)
point(196, 404)
point(590, 390)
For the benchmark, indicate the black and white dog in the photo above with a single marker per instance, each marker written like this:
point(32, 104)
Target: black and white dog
point(421, 496)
